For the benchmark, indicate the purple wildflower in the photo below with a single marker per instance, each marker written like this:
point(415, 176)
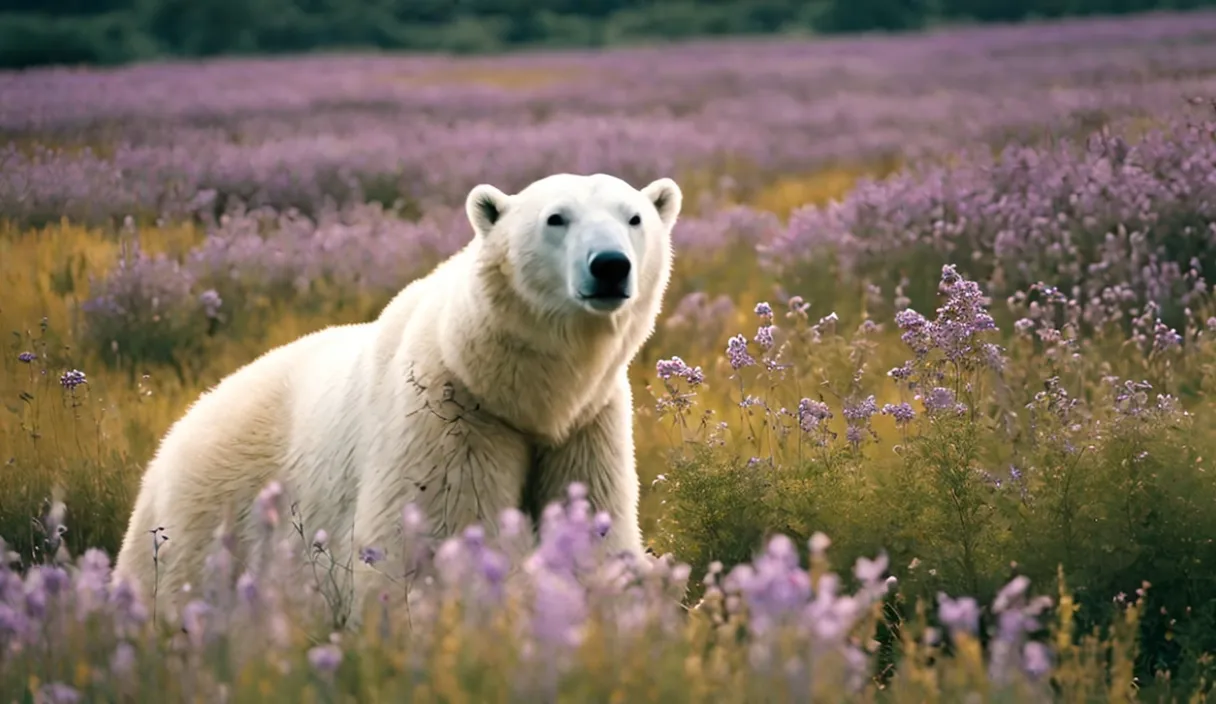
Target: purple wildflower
point(1036, 659)
point(901, 412)
point(371, 555)
point(869, 572)
point(736, 352)
point(916, 330)
point(211, 303)
point(325, 659)
point(27, 357)
point(267, 502)
point(854, 434)
point(958, 615)
point(129, 611)
point(1165, 337)
point(58, 693)
point(603, 523)
point(194, 620)
point(493, 567)
point(773, 585)
point(811, 414)
point(122, 660)
point(559, 611)
point(942, 400)
point(247, 588)
point(72, 378)
point(764, 337)
point(861, 411)
point(677, 368)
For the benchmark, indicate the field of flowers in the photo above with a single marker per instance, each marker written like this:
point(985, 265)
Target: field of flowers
point(925, 418)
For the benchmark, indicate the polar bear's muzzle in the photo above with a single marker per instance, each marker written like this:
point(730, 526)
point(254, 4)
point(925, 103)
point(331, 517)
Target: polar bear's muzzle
point(610, 273)
point(607, 279)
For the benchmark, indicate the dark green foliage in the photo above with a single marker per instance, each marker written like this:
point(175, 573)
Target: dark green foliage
point(29, 39)
point(114, 31)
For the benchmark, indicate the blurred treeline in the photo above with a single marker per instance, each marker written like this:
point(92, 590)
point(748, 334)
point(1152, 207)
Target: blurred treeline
point(34, 32)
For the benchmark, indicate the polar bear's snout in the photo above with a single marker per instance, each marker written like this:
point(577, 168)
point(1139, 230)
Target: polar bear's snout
point(605, 268)
point(610, 271)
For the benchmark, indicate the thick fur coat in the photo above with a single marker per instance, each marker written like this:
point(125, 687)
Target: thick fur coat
point(492, 382)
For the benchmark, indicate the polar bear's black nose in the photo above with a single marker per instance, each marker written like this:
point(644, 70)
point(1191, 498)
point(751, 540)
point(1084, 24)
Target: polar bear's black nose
point(610, 268)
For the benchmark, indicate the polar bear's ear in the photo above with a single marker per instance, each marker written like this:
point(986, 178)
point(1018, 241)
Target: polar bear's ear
point(485, 206)
point(667, 198)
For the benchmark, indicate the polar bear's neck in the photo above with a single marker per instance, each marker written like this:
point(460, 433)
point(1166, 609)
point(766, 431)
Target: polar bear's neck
point(542, 375)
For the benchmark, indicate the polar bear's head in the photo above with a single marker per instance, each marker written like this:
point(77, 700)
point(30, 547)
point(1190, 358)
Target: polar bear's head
point(570, 244)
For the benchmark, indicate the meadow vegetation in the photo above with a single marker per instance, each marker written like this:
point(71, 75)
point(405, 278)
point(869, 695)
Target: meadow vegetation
point(925, 419)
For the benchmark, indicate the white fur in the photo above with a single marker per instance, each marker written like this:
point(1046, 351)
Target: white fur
point(488, 373)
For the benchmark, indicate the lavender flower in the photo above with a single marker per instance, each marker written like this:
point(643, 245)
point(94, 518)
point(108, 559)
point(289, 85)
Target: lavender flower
point(861, 411)
point(916, 330)
point(267, 503)
point(371, 555)
point(26, 357)
point(72, 378)
point(247, 588)
point(325, 659)
point(941, 400)
point(211, 303)
point(123, 659)
point(959, 615)
point(676, 368)
point(736, 352)
point(58, 693)
point(603, 523)
point(870, 572)
point(1036, 659)
point(901, 412)
point(764, 337)
point(854, 435)
point(811, 414)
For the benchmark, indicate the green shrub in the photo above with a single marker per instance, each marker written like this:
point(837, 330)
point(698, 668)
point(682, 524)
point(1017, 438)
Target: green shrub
point(1054, 453)
point(35, 39)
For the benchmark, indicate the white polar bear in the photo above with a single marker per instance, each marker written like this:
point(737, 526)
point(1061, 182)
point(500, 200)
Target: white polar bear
point(501, 373)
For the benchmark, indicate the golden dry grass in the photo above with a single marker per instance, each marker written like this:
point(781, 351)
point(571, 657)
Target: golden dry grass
point(483, 73)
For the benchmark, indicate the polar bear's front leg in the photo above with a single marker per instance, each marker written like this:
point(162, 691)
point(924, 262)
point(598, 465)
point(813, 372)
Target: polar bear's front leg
point(600, 455)
point(459, 467)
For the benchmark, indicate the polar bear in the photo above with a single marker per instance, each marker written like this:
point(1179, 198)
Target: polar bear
point(494, 381)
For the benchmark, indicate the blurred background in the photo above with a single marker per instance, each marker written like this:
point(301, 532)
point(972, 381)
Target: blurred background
point(39, 32)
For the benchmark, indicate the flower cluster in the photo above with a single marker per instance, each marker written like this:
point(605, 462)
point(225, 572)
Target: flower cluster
point(1104, 222)
point(949, 351)
point(295, 133)
point(542, 599)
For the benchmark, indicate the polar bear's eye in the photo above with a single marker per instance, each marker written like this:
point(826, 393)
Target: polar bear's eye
point(635, 220)
point(556, 220)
